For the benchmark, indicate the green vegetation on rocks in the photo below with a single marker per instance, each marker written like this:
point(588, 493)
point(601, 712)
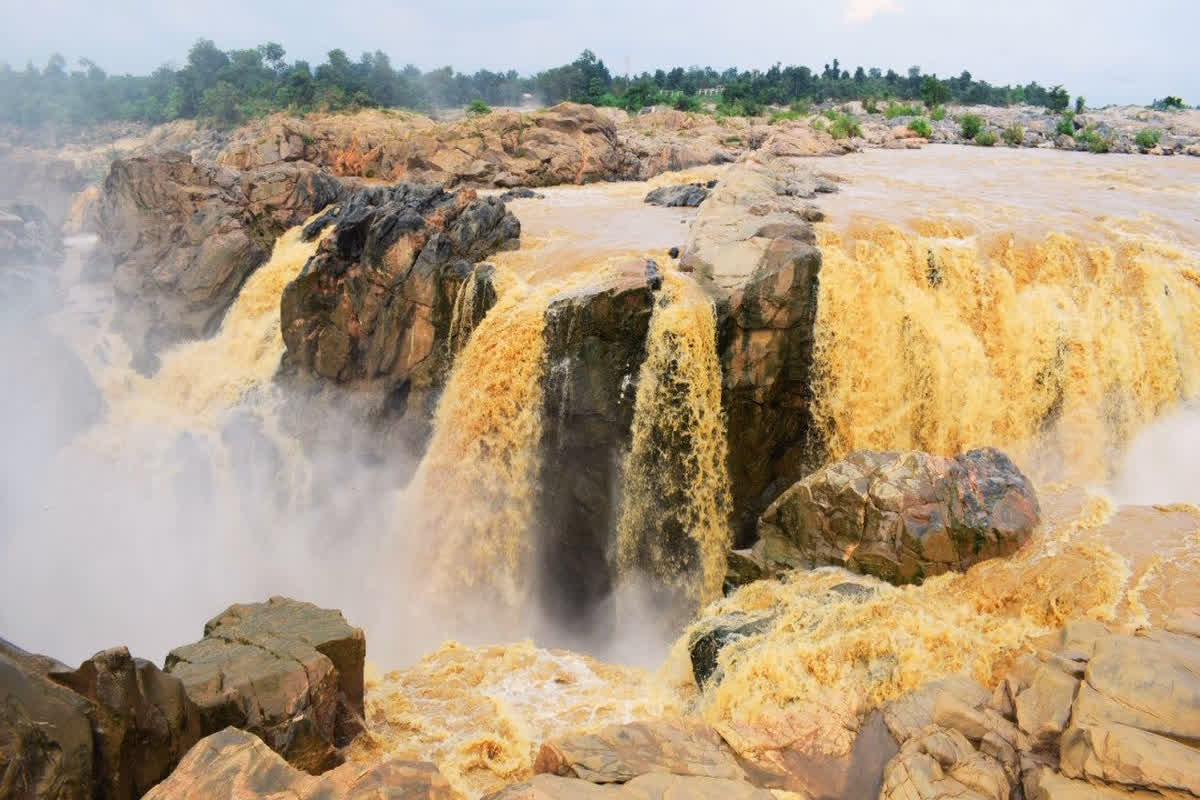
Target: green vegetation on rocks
point(478, 108)
point(844, 126)
point(896, 110)
point(1148, 139)
point(985, 139)
point(1066, 124)
point(921, 127)
point(971, 124)
point(1014, 135)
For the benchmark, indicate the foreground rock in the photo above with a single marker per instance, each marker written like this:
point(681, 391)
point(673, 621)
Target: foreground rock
point(288, 672)
point(654, 786)
point(394, 290)
point(183, 236)
point(1092, 714)
point(234, 765)
point(45, 733)
point(902, 517)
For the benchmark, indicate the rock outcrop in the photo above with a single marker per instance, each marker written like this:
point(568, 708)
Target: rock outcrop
point(1089, 714)
point(753, 244)
point(30, 251)
point(595, 344)
point(394, 289)
point(286, 671)
point(902, 517)
point(687, 195)
point(183, 236)
point(38, 176)
point(235, 765)
point(45, 733)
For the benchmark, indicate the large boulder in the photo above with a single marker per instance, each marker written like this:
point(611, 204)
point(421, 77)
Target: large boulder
point(45, 733)
point(142, 720)
point(595, 344)
point(686, 195)
point(393, 290)
point(289, 672)
point(183, 236)
point(235, 765)
point(902, 517)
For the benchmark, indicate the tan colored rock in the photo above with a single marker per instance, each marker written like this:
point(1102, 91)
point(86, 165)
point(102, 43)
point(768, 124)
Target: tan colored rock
point(658, 786)
point(286, 671)
point(235, 765)
point(907, 716)
point(619, 753)
point(1046, 784)
point(1120, 754)
point(1043, 709)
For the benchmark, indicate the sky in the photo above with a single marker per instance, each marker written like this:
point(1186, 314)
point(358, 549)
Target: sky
point(1107, 50)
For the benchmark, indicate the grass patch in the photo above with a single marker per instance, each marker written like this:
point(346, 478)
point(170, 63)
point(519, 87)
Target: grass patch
point(1066, 124)
point(896, 110)
point(478, 108)
point(1094, 140)
point(985, 139)
point(845, 126)
point(782, 115)
point(938, 114)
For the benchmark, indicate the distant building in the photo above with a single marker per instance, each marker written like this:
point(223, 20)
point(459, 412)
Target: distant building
point(714, 91)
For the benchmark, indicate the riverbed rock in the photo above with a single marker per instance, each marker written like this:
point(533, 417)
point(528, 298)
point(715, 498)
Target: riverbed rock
point(235, 765)
point(595, 343)
point(654, 786)
point(688, 195)
point(718, 633)
point(902, 517)
point(289, 672)
point(45, 733)
point(394, 290)
point(182, 237)
point(142, 720)
point(620, 753)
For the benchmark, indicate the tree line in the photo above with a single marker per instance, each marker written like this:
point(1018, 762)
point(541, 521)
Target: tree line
point(229, 86)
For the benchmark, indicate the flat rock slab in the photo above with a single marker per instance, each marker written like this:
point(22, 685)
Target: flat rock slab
point(657, 786)
point(619, 753)
point(290, 672)
point(235, 765)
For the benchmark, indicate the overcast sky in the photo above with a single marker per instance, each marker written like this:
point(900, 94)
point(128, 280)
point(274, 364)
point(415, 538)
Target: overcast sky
point(1108, 50)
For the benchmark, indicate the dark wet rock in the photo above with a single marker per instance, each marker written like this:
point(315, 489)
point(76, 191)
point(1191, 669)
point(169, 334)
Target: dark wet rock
point(902, 517)
point(182, 237)
point(234, 765)
point(688, 195)
point(595, 344)
point(142, 720)
point(717, 634)
point(521, 193)
point(673, 252)
point(287, 671)
point(45, 733)
point(393, 291)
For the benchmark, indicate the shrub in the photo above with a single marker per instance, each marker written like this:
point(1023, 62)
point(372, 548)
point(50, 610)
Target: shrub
point(478, 108)
point(1066, 124)
point(1168, 103)
point(938, 114)
point(818, 124)
point(972, 124)
point(896, 110)
point(1080, 104)
point(1095, 142)
point(870, 106)
point(1014, 135)
point(985, 138)
point(921, 127)
point(781, 115)
point(831, 115)
point(845, 127)
point(1148, 139)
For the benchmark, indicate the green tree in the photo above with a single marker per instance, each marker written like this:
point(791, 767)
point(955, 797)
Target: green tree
point(934, 92)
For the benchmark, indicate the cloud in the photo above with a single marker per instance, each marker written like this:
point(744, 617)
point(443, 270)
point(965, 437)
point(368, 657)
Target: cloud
point(862, 10)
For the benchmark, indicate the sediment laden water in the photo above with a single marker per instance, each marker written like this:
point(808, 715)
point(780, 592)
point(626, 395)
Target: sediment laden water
point(1058, 350)
point(674, 526)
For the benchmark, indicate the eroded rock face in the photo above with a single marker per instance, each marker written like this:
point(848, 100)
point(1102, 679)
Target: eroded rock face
point(901, 516)
point(235, 765)
point(394, 289)
point(595, 345)
point(752, 242)
point(1089, 714)
point(183, 236)
point(45, 733)
point(287, 671)
point(142, 720)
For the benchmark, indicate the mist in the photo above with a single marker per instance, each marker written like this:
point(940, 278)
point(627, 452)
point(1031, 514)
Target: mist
point(1161, 466)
